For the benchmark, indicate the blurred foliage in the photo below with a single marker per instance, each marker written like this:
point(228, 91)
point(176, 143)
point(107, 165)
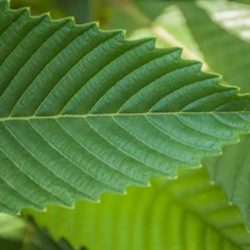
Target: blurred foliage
point(39, 6)
point(80, 9)
point(190, 26)
point(17, 233)
point(12, 232)
point(227, 61)
point(153, 218)
point(242, 1)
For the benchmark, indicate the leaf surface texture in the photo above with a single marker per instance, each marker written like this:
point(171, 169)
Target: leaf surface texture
point(84, 112)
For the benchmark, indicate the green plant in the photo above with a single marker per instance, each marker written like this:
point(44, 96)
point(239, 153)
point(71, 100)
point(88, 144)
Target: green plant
point(85, 112)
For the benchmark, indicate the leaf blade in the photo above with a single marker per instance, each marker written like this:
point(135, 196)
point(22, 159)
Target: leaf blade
point(75, 119)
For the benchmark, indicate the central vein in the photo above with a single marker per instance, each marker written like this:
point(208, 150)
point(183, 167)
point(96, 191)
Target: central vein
point(44, 117)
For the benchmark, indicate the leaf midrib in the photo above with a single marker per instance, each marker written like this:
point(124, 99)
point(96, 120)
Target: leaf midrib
point(54, 117)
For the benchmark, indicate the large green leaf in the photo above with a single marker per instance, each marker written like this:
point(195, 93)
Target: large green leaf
point(85, 112)
point(188, 213)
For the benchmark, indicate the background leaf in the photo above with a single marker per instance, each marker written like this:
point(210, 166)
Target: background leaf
point(224, 51)
point(12, 232)
point(19, 234)
point(80, 9)
point(188, 213)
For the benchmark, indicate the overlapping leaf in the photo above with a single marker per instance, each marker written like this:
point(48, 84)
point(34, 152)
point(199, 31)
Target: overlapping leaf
point(85, 112)
point(188, 213)
point(220, 21)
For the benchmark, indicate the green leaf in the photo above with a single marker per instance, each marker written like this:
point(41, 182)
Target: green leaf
point(85, 112)
point(188, 213)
